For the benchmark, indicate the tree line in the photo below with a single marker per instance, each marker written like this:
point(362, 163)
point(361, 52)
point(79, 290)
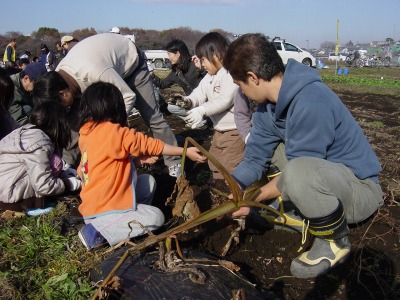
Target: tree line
point(145, 39)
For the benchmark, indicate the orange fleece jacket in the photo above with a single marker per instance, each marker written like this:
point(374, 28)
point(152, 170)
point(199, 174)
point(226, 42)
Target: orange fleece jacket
point(105, 167)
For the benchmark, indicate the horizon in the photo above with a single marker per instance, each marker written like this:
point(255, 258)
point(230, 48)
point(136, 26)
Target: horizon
point(305, 23)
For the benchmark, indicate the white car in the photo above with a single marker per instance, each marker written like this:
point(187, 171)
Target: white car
point(338, 57)
point(288, 50)
point(158, 59)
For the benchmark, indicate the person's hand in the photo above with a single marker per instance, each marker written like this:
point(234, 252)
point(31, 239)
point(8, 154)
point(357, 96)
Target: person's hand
point(242, 213)
point(147, 159)
point(184, 102)
point(174, 98)
point(197, 62)
point(194, 154)
point(195, 116)
point(72, 183)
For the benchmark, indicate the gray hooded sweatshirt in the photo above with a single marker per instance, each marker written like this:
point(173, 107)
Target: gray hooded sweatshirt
point(25, 170)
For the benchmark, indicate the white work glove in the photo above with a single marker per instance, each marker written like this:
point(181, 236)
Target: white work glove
point(73, 183)
point(195, 116)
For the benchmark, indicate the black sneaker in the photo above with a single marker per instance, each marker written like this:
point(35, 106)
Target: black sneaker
point(90, 237)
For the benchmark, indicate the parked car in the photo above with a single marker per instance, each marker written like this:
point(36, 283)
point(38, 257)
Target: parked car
point(288, 50)
point(334, 57)
point(158, 58)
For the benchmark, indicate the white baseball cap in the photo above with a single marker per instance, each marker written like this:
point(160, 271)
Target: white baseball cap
point(115, 30)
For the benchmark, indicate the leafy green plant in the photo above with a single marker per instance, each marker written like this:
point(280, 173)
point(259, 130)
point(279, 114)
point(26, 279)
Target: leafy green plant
point(35, 262)
point(63, 287)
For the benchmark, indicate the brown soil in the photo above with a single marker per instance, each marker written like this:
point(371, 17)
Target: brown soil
point(371, 272)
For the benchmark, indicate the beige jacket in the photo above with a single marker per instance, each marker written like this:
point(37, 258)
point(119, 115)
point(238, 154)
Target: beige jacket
point(104, 57)
point(215, 93)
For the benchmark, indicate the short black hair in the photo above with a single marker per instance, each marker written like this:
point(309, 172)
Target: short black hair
point(210, 44)
point(102, 102)
point(253, 53)
point(24, 61)
point(51, 117)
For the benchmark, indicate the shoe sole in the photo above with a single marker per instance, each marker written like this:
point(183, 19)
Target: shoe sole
point(83, 240)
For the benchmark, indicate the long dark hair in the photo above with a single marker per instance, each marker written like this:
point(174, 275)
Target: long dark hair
point(175, 46)
point(51, 118)
point(210, 44)
point(6, 92)
point(47, 87)
point(102, 102)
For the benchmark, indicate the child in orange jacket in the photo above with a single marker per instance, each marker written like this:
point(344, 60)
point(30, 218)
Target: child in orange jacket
point(113, 195)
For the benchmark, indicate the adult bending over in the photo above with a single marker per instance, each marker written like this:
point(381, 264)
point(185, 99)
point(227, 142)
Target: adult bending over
point(115, 59)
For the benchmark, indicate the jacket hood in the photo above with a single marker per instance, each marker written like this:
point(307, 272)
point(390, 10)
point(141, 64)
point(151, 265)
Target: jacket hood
point(24, 139)
point(295, 78)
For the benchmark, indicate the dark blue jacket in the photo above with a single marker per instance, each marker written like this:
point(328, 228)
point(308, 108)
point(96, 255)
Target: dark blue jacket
point(312, 121)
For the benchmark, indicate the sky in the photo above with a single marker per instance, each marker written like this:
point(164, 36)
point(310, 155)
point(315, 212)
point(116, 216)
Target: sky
point(306, 23)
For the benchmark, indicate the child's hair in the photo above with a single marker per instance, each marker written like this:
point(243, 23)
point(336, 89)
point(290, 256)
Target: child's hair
point(47, 87)
point(102, 102)
point(185, 58)
point(6, 92)
point(210, 44)
point(51, 118)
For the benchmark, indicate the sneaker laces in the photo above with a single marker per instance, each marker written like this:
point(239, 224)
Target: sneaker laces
point(304, 233)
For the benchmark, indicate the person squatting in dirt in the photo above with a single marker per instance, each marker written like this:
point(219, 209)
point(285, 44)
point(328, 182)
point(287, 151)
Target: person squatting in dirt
point(214, 98)
point(116, 59)
point(116, 202)
point(31, 167)
point(328, 169)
